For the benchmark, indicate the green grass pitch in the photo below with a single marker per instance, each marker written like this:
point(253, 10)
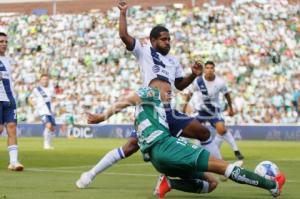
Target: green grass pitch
point(52, 174)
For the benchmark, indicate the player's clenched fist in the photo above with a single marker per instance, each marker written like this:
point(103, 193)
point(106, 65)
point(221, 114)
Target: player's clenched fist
point(197, 68)
point(123, 6)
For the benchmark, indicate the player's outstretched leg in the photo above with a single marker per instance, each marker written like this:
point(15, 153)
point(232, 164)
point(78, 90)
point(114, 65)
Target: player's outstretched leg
point(243, 176)
point(111, 158)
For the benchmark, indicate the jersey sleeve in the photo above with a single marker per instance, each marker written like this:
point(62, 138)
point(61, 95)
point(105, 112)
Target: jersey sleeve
point(194, 86)
point(224, 89)
point(137, 49)
point(146, 94)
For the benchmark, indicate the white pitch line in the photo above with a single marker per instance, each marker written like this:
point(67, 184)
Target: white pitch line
point(106, 173)
point(112, 173)
point(87, 166)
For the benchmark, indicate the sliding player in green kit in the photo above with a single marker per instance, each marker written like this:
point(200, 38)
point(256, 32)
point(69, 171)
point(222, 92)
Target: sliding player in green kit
point(176, 158)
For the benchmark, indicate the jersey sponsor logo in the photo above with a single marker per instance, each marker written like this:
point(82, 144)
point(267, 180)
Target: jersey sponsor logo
point(153, 135)
point(171, 61)
point(165, 72)
point(155, 69)
point(143, 125)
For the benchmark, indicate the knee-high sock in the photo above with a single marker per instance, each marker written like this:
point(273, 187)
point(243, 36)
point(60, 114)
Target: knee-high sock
point(111, 158)
point(218, 140)
point(193, 186)
point(47, 137)
point(244, 176)
point(211, 146)
point(230, 139)
point(13, 154)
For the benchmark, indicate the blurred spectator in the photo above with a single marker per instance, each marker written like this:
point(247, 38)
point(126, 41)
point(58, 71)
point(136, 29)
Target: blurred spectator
point(255, 45)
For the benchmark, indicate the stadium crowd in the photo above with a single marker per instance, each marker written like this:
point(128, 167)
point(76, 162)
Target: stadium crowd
point(255, 47)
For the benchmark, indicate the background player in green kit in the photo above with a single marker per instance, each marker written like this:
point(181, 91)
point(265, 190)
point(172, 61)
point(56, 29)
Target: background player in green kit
point(176, 158)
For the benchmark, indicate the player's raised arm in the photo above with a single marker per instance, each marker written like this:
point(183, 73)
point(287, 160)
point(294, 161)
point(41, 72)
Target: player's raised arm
point(182, 83)
point(125, 37)
point(130, 100)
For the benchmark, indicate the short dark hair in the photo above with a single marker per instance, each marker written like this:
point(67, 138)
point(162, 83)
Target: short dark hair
point(3, 34)
point(155, 32)
point(210, 63)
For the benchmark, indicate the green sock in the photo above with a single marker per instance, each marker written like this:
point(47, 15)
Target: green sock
point(244, 176)
point(192, 186)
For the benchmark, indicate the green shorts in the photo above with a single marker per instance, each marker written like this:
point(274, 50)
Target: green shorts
point(178, 158)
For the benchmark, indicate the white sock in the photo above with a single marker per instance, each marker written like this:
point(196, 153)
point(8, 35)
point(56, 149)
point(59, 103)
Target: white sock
point(211, 146)
point(229, 138)
point(47, 137)
point(229, 170)
point(13, 154)
point(219, 140)
point(107, 161)
point(205, 187)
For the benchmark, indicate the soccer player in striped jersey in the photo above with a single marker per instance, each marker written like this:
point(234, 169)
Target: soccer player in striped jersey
point(207, 89)
point(174, 157)
point(8, 109)
point(40, 99)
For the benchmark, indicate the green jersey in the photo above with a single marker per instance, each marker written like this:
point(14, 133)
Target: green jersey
point(150, 118)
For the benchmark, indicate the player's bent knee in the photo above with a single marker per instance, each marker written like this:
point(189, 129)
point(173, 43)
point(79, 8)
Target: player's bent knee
point(221, 129)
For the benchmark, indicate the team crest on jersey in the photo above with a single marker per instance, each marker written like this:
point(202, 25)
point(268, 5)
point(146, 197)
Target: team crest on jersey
point(155, 69)
point(171, 61)
point(150, 93)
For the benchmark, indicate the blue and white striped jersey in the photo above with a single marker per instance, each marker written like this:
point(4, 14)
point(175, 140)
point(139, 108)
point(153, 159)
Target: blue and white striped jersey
point(155, 65)
point(208, 94)
point(6, 86)
point(42, 97)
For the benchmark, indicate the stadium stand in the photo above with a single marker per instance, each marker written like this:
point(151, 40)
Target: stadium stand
point(254, 45)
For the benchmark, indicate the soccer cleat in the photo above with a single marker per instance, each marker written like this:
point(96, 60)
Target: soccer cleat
point(238, 163)
point(48, 148)
point(280, 180)
point(15, 167)
point(238, 155)
point(85, 179)
point(162, 187)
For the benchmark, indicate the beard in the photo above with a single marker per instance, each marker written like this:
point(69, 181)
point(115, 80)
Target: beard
point(164, 51)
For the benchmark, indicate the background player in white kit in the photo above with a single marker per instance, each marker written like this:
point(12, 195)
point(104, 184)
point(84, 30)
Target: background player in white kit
point(8, 109)
point(40, 98)
point(207, 89)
